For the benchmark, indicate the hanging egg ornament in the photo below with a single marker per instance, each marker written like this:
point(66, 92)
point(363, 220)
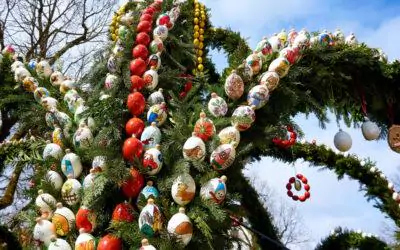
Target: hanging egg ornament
point(85, 219)
point(283, 36)
point(393, 138)
point(243, 117)
point(281, 66)
point(21, 74)
point(43, 69)
point(67, 85)
point(338, 36)
point(136, 103)
point(291, 54)
point(57, 136)
point(149, 191)
point(99, 163)
point(150, 78)
point(160, 32)
point(156, 97)
point(58, 244)
point(73, 100)
point(30, 84)
point(133, 185)
point(71, 191)
point(137, 83)
point(71, 164)
point(217, 106)
point(49, 103)
point(83, 137)
point(194, 148)
point(351, 40)
point(109, 242)
point(40, 93)
point(123, 212)
point(164, 19)
point(112, 64)
point(370, 130)
point(43, 231)
point(214, 189)
point(123, 33)
point(276, 43)
point(258, 96)
point(291, 36)
point(55, 179)
point(204, 127)
point(223, 157)
point(134, 126)
point(183, 189)
point(255, 63)
point(111, 81)
point(52, 150)
point(153, 160)
point(151, 136)
point(45, 203)
point(302, 40)
point(137, 67)
point(229, 135)
point(85, 241)
point(118, 49)
point(63, 220)
point(264, 47)
point(56, 78)
point(150, 219)
point(88, 182)
point(8, 50)
point(157, 113)
point(15, 65)
point(181, 226)
point(78, 116)
point(143, 38)
point(270, 79)
point(234, 86)
point(156, 46)
point(146, 245)
point(342, 141)
point(140, 51)
point(31, 64)
point(154, 61)
point(132, 148)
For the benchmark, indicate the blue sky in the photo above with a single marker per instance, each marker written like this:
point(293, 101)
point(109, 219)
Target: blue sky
point(334, 203)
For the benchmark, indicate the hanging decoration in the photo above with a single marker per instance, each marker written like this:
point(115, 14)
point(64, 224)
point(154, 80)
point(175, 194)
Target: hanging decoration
point(214, 189)
point(183, 189)
point(342, 141)
point(199, 23)
point(394, 138)
point(299, 182)
point(63, 220)
point(150, 219)
point(194, 148)
point(287, 142)
point(370, 130)
point(181, 226)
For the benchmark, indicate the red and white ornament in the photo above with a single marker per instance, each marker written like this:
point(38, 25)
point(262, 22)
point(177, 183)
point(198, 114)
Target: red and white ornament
point(109, 242)
point(194, 148)
point(223, 157)
point(156, 46)
point(217, 106)
point(143, 38)
point(151, 136)
point(258, 96)
point(286, 143)
point(160, 32)
point(229, 135)
point(204, 127)
point(153, 160)
point(137, 83)
point(181, 227)
point(85, 241)
point(111, 81)
point(214, 189)
point(243, 117)
point(255, 63)
point(137, 67)
point(280, 65)
point(300, 182)
point(270, 79)
point(46, 204)
point(140, 51)
point(134, 126)
point(183, 189)
point(150, 78)
point(158, 114)
point(154, 61)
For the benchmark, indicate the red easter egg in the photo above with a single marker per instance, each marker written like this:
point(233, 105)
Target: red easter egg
point(138, 67)
point(149, 10)
point(144, 26)
point(134, 126)
point(182, 94)
point(295, 197)
point(136, 83)
point(132, 148)
point(302, 198)
point(292, 180)
point(123, 212)
point(306, 187)
point(188, 86)
point(288, 186)
point(132, 187)
point(143, 38)
point(304, 180)
point(290, 193)
point(86, 219)
point(140, 51)
point(146, 17)
point(136, 103)
point(156, 6)
point(109, 242)
point(307, 194)
point(164, 20)
point(299, 176)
